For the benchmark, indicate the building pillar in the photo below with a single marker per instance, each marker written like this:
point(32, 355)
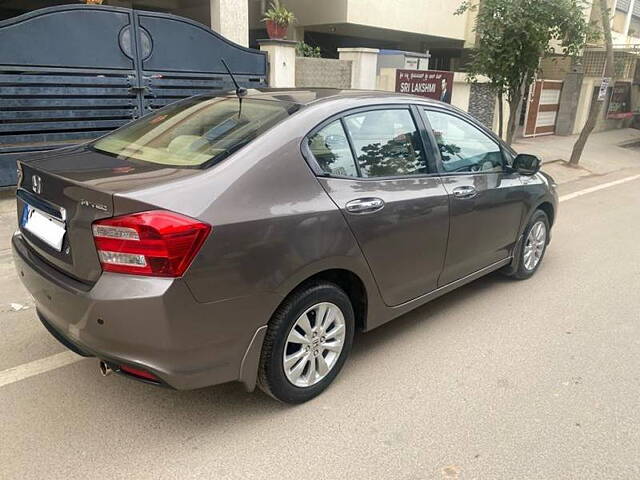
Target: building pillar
point(230, 18)
point(282, 62)
point(364, 66)
point(569, 103)
point(482, 103)
point(627, 22)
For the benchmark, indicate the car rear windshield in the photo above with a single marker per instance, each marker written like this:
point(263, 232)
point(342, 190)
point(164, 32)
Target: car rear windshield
point(197, 132)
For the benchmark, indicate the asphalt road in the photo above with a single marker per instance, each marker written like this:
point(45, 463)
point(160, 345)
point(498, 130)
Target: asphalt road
point(498, 380)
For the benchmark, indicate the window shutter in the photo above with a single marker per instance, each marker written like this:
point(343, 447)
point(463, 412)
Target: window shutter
point(623, 5)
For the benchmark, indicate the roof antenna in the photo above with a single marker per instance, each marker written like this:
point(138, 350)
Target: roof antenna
point(240, 92)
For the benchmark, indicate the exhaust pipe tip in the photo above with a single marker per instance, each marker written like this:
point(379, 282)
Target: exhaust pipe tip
point(105, 369)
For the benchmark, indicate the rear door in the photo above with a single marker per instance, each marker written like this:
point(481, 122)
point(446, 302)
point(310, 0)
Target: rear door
point(486, 198)
point(374, 165)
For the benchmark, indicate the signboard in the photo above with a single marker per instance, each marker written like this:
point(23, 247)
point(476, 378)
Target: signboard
point(620, 103)
point(424, 64)
point(604, 86)
point(416, 63)
point(428, 83)
point(411, 63)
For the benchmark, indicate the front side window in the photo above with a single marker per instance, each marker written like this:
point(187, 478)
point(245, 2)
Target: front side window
point(386, 143)
point(331, 149)
point(196, 132)
point(463, 147)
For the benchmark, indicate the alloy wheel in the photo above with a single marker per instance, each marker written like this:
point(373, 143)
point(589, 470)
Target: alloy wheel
point(535, 245)
point(314, 344)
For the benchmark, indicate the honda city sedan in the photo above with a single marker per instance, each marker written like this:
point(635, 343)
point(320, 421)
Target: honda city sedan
point(247, 236)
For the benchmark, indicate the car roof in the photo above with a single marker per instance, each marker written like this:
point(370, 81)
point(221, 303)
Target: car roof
point(308, 96)
point(314, 96)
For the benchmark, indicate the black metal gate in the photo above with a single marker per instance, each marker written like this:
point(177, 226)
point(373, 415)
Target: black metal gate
point(72, 73)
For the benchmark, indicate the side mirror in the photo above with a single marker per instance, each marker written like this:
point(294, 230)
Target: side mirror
point(526, 164)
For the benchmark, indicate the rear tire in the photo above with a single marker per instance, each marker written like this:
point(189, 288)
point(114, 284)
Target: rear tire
point(534, 243)
point(308, 340)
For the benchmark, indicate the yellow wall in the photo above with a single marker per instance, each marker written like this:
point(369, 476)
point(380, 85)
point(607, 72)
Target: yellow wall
point(427, 17)
point(470, 20)
point(619, 19)
point(431, 17)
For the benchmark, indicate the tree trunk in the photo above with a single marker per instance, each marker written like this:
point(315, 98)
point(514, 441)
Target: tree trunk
point(514, 103)
point(596, 105)
point(592, 119)
point(500, 114)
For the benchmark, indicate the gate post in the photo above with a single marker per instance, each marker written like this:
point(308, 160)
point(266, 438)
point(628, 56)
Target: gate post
point(364, 66)
point(282, 62)
point(230, 18)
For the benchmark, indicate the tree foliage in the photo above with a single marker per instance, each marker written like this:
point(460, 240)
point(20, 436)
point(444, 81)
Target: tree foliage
point(397, 156)
point(513, 35)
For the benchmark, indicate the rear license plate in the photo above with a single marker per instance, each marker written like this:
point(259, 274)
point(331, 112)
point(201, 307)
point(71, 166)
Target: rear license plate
point(48, 229)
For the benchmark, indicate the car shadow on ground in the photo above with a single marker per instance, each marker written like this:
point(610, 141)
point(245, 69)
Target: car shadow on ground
point(366, 344)
point(162, 415)
point(215, 407)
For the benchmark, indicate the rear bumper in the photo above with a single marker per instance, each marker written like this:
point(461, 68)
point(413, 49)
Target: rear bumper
point(82, 350)
point(150, 323)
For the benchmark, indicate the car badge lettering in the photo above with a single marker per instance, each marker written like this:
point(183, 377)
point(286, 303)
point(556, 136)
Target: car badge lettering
point(36, 184)
point(97, 206)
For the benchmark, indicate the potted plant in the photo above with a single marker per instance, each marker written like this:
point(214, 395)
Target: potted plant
point(278, 18)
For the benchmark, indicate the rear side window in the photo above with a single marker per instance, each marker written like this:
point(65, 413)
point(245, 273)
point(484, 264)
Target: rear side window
point(197, 132)
point(331, 149)
point(386, 143)
point(463, 147)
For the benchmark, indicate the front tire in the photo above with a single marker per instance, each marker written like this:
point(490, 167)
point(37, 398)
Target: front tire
point(308, 340)
point(533, 246)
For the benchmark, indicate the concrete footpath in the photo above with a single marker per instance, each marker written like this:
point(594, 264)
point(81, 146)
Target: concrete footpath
point(605, 153)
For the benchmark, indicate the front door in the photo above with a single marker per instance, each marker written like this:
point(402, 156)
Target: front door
point(376, 171)
point(542, 108)
point(486, 198)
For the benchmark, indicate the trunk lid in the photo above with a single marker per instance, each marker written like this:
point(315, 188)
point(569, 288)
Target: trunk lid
point(74, 188)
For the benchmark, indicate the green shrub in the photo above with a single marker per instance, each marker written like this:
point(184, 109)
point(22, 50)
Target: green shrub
point(305, 50)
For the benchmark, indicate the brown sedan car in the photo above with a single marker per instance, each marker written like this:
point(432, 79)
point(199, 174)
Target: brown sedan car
point(245, 238)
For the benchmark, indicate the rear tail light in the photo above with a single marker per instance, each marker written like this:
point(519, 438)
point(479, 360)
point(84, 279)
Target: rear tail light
point(156, 243)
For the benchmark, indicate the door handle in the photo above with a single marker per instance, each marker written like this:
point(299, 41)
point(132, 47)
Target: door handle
point(466, 191)
point(365, 205)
